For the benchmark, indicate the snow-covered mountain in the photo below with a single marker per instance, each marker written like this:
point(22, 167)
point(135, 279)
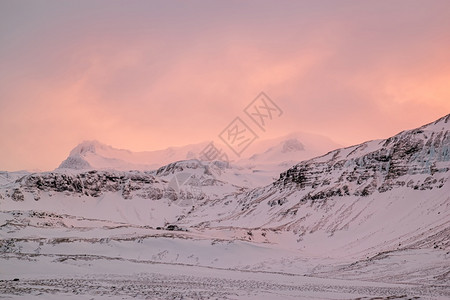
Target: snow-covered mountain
point(289, 149)
point(93, 155)
point(377, 211)
point(285, 150)
point(376, 196)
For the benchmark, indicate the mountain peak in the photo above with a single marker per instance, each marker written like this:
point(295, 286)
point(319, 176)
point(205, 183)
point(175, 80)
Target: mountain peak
point(292, 145)
point(87, 147)
point(438, 125)
point(444, 119)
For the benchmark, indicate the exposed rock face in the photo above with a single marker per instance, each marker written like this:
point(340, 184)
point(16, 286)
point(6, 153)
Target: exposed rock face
point(95, 183)
point(377, 166)
point(206, 170)
point(17, 195)
point(180, 166)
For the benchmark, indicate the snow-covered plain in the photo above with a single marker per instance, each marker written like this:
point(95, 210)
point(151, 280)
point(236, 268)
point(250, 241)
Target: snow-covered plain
point(370, 221)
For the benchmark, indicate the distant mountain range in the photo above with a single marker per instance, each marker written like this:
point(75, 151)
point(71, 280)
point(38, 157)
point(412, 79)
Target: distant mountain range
point(286, 149)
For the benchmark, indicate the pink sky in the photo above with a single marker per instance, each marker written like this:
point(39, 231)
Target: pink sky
point(145, 75)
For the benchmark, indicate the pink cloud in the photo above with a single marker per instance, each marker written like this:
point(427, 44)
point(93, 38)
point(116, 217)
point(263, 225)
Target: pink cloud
point(152, 75)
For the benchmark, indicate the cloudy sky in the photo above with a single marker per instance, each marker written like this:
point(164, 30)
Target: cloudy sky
point(145, 75)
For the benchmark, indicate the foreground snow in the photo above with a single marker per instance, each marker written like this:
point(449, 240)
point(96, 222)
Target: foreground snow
point(61, 256)
point(88, 278)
